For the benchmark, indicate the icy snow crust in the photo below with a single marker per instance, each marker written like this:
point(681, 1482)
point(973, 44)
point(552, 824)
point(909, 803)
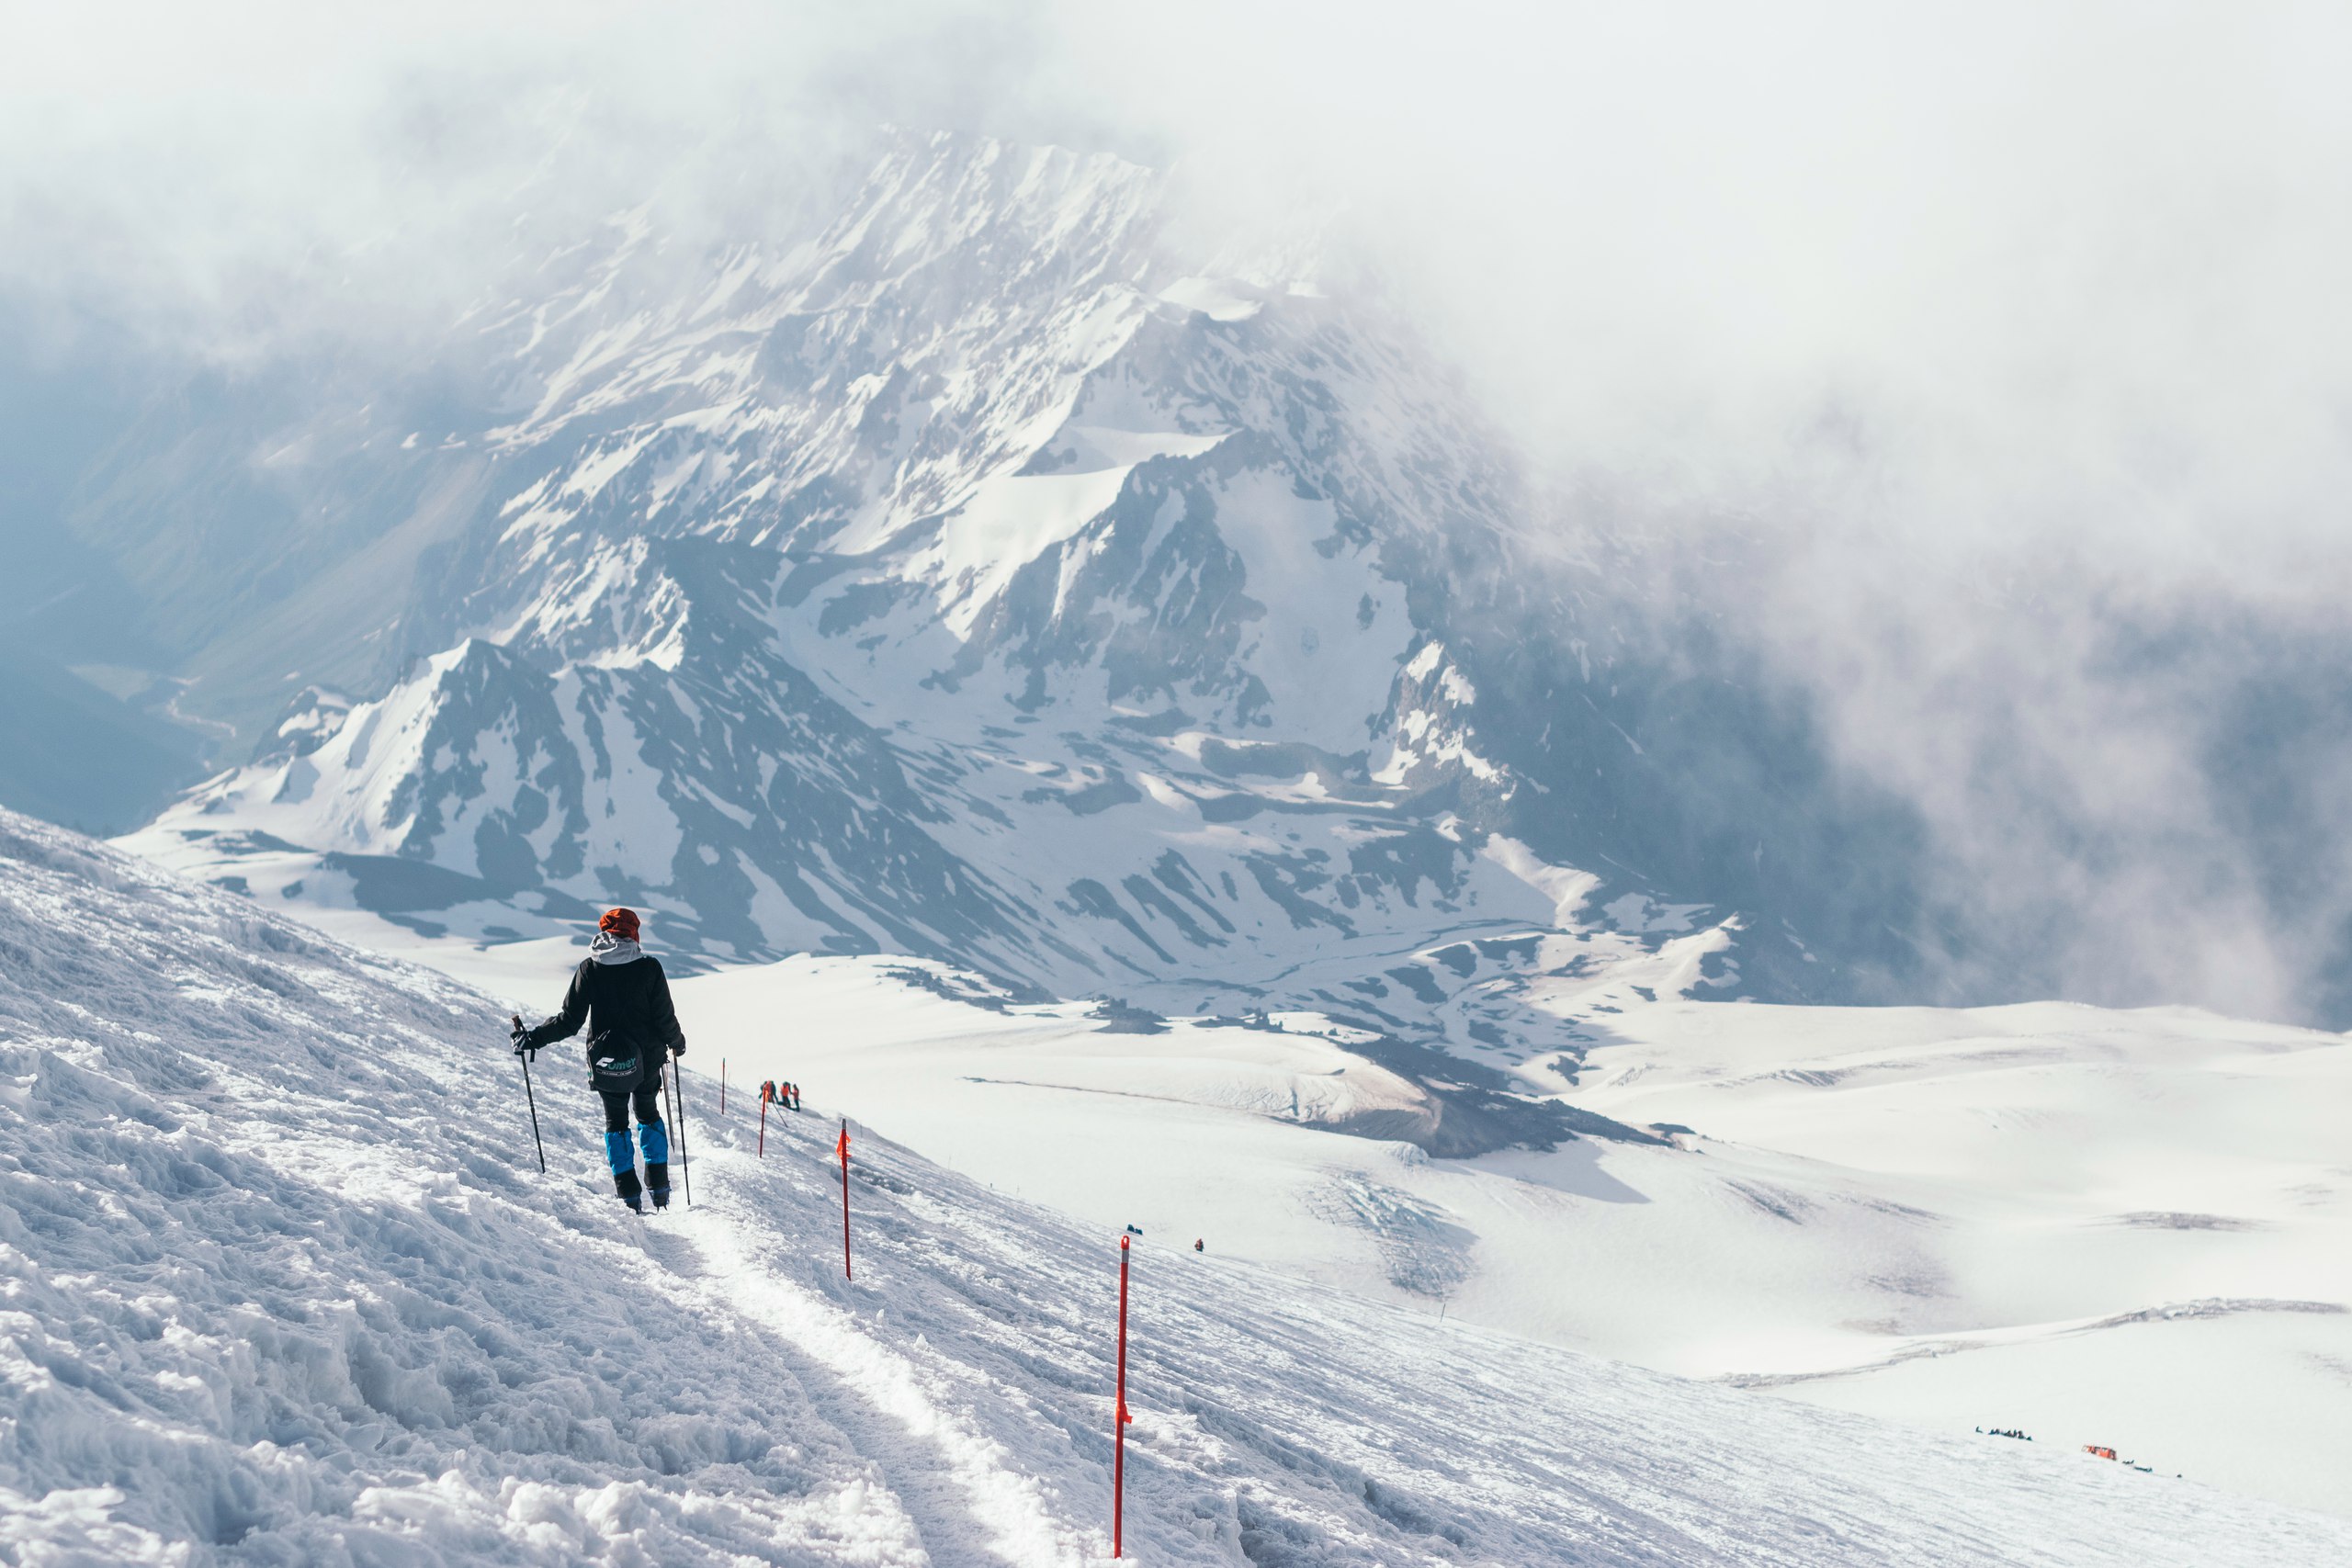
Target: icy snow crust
point(283, 1285)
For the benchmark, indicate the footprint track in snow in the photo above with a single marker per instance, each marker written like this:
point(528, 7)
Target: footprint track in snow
point(954, 1483)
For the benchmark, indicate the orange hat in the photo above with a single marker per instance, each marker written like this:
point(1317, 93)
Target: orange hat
point(622, 923)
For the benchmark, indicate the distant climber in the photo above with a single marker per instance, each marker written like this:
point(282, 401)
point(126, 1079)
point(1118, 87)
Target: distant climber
point(620, 993)
point(792, 1092)
point(1199, 1245)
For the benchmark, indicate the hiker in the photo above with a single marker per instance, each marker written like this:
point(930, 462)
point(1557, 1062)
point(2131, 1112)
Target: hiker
point(620, 993)
point(1199, 1245)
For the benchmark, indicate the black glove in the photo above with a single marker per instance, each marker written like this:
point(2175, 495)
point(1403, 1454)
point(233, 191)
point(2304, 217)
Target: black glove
point(522, 1037)
point(678, 1047)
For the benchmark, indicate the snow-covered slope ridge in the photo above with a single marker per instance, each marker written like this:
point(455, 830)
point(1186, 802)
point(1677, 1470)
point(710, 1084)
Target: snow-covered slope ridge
point(283, 1284)
point(979, 581)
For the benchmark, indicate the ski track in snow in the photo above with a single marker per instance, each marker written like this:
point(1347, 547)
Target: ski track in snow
point(280, 1284)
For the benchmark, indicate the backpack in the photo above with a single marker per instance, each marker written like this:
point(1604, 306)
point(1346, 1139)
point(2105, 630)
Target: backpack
point(614, 1067)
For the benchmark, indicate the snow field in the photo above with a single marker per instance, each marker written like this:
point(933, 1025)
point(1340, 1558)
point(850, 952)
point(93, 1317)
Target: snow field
point(2124, 1228)
point(280, 1284)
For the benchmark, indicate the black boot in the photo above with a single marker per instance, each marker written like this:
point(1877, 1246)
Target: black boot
point(624, 1182)
point(653, 1142)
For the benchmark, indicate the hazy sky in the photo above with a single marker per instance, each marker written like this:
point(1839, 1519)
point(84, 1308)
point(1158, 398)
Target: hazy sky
point(2102, 239)
point(2059, 268)
point(2017, 331)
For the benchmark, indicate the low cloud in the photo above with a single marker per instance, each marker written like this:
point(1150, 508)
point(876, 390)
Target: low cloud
point(2004, 346)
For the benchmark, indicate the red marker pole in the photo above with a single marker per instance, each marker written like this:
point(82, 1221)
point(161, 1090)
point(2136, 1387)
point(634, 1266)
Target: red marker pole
point(844, 1147)
point(764, 1126)
point(1119, 1440)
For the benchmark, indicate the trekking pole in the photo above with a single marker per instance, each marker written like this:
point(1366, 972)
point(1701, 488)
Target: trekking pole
point(531, 1100)
point(678, 1104)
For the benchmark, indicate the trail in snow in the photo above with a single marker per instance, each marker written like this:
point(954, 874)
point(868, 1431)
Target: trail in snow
point(280, 1284)
point(971, 1504)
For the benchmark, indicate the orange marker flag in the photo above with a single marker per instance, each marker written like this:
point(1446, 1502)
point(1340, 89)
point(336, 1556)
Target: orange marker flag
point(1121, 1420)
point(843, 1149)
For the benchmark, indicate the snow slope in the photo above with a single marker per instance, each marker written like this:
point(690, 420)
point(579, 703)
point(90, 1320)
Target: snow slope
point(283, 1285)
point(2131, 1224)
point(2123, 1228)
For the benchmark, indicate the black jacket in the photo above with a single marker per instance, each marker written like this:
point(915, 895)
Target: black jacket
point(620, 1003)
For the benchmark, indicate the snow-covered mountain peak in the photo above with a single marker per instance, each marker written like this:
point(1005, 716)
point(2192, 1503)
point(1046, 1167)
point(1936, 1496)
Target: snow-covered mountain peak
point(986, 577)
point(930, 335)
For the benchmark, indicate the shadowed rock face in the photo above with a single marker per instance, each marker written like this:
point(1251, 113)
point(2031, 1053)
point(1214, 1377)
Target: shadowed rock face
point(988, 579)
